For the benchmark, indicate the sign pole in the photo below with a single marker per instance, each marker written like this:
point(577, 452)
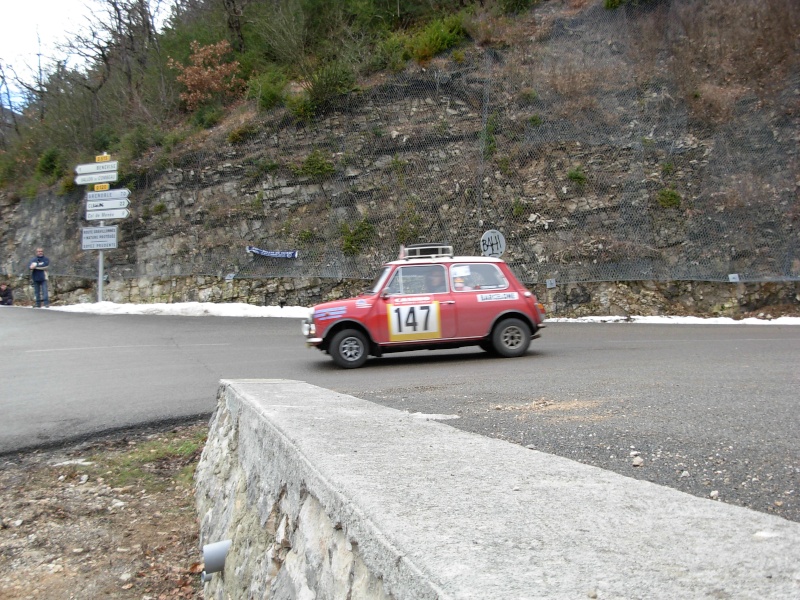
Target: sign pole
point(100, 273)
point(102, 203)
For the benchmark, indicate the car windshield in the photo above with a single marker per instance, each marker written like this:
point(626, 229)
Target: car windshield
point(378, 282)
point(418, 279)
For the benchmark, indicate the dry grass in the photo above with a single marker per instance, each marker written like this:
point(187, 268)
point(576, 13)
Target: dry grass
point(719, 49)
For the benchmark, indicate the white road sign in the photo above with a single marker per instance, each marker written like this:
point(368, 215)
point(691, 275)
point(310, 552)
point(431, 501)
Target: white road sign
point(99, 238)
point(102, 167)
point(109, 194)
point(96, 178)
point(493, 243)
point(99, 215)
point(108, 204)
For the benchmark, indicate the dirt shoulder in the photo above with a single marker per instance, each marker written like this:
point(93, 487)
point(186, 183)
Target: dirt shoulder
point(113, 517)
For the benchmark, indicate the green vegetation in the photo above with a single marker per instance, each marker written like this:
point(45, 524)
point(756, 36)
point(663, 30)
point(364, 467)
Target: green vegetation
point(134, 96)
point(527, 96)
point(577, 176)
point(669, 198)
point(355, 239)
point(398, 167)
point(512, 7)
point(614, 4)
point(315, 166)
point(410, 224)
point(261, 168)
point(436, 37)
point(257, 203)
point(306, 236)
point(242, 134)
point(207, 117)
point(267, 88)
point(517, 208)
point(489, 142)
point(139, 465)
point(50, 163)
point(504, 164)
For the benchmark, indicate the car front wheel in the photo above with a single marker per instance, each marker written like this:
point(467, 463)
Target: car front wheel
point(348, 349)
point(511, 338)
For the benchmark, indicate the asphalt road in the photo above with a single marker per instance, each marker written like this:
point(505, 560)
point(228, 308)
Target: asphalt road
point(709, 409)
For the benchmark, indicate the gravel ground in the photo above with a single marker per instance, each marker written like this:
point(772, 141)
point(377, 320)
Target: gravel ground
point(113, 517)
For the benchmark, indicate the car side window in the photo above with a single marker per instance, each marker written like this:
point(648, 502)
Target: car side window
point(477, 276)
point(418, 279)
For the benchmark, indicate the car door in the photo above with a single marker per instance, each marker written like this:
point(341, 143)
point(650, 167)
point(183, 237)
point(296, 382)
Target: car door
point(412, 310)
point(481, 292)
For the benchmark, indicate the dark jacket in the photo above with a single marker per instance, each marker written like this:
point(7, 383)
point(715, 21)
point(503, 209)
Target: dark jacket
point(6, 297)
point(42, 262)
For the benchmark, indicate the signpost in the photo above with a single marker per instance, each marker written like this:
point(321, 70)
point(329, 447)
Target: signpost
point(99, 215)
point(107, 204)
point(99, 238)
point(110, 194)
point(96, 178)
point(101, 204)
point(97, 167)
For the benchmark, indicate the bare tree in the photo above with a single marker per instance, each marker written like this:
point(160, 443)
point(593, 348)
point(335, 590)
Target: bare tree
point(234, 9)
point(7, 115)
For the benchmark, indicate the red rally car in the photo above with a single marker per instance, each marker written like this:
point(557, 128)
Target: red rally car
point(429, 299)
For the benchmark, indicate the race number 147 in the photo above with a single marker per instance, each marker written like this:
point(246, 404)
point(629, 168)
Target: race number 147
point(414, 322)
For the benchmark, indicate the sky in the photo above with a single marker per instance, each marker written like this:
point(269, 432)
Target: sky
point(234, 309)
point(27, 22)
point(28, 27)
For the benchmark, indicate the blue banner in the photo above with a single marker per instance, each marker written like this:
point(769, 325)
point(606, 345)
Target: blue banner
point(273, 253)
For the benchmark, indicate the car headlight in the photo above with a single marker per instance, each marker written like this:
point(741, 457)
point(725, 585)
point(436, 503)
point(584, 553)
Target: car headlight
point(308, 328)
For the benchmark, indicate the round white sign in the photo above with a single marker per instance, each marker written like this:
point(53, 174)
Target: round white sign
point(493, 243)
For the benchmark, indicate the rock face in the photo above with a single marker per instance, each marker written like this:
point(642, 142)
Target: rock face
point(591, 172)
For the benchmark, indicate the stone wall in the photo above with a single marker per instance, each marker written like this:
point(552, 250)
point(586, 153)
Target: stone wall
point(323, 495)
point(287, 546)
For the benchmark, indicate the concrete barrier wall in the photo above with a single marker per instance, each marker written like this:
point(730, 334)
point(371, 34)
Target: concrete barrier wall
point(324, 495)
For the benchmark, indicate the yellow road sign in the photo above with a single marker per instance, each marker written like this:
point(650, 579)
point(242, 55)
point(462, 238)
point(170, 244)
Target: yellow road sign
point(101, 187)
point(102, 158)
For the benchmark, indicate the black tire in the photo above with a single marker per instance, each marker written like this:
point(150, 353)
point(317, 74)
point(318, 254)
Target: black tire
point(511, 338)
point(349, 349)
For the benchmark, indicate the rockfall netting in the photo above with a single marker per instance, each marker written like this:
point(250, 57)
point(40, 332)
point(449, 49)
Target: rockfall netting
point(588, 142)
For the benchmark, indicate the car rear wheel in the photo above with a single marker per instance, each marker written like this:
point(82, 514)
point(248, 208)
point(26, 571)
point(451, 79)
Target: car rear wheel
point(348, 349)
point(511, 337)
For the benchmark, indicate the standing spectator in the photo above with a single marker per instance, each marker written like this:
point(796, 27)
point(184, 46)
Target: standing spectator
point(6, 297)
point(38, 268)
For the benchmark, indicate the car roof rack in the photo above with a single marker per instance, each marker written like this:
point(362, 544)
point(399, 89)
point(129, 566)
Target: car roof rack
point(431, 250)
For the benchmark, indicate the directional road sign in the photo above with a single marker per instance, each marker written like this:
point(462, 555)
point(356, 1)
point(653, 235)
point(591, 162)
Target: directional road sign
point(99, 215)
point(108, 204)
point(121, 193)
point(96, 178)
point(99, 238)
point(102, 167)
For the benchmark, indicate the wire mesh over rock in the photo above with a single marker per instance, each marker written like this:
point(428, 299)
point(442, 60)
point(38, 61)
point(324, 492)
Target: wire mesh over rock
point(580, 142)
